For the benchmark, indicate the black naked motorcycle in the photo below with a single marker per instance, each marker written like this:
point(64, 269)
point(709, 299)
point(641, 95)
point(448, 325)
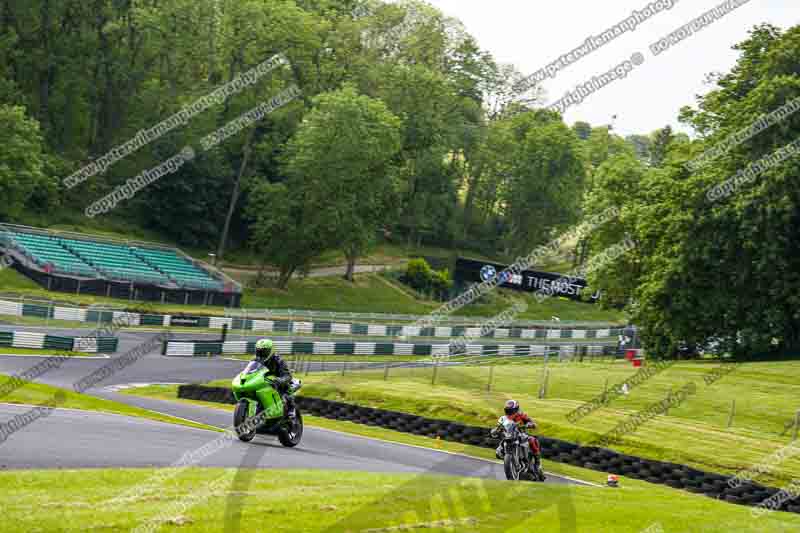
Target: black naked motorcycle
point(515, 450)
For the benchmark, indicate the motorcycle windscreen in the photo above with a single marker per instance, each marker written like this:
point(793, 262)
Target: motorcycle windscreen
point(508, 424)
point(252, 366)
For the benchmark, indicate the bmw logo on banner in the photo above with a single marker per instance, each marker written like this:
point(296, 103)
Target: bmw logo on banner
point(468, 271)
point(488, 273)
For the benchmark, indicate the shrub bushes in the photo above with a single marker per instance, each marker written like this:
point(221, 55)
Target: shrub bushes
point(421, 277)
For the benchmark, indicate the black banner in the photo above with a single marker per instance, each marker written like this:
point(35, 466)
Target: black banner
point(188, 321)
point(470, 271)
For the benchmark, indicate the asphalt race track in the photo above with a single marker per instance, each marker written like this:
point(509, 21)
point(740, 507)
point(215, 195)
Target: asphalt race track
point(81, 439)
point(77, 439)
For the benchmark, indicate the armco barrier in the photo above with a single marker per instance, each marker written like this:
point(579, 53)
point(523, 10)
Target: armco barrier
point(394, 318)
point(205, 348)
point(35, 340)
point(95, 316)
point(599, 459)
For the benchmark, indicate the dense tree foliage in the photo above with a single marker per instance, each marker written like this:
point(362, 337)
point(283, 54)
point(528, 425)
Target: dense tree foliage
point(22, 164)
point(723, 273)
point(342, 156)
point(95, 74)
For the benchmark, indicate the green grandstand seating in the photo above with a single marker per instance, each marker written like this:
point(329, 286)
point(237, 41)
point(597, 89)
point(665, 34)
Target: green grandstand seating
point(46, 250)
point(178, 268)
point(117, 261)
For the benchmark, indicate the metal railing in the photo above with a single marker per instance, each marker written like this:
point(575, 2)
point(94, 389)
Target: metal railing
point(388, 318)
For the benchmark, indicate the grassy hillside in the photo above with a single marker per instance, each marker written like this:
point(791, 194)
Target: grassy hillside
point(371, 293)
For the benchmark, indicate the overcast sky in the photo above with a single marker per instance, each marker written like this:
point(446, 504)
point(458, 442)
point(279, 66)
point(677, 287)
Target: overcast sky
point(531, 34)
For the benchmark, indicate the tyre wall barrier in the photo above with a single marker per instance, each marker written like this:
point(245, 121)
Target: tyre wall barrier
point(78, 314)
point(204, 348)
point(34, 340)
point(600, 459)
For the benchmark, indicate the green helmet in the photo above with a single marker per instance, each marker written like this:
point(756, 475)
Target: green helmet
point(264, 348)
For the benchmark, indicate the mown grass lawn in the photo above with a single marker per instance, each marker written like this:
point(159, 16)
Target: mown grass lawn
point(315, 500)
point(317, 358)
point(7, 350)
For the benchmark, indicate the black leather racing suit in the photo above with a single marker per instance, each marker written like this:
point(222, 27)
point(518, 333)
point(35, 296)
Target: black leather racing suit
point(277, 367)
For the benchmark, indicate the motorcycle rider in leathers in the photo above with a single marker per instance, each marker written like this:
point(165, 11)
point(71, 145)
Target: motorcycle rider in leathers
point(276, 366)
point(514, 414)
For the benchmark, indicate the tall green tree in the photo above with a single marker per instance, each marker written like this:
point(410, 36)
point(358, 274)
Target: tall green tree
point(22, 162)
point(284, 232)
point(342, 157)
point(582, 129)
point(659, 146)
point(545, 183)
point(642, 145)
point(720, 272)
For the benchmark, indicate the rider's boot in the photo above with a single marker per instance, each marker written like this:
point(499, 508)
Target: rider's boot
point(291, 412)
point(499, 452)
point(537, 465)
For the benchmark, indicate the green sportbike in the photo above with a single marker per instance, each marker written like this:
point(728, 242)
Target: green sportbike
point(257, 395)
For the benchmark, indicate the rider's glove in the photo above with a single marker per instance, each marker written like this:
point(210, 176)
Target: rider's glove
point(282, 383)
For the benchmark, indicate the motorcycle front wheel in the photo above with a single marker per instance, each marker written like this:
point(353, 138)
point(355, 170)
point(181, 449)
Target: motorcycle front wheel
point(512, 466)
point(290, 435)
point(239, 417)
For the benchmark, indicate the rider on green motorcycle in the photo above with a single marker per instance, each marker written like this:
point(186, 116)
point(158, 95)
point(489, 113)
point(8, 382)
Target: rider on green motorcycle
point(266, 354)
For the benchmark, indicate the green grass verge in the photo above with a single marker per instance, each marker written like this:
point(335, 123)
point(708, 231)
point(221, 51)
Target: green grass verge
point(315, 500)
point(565, 309)
point(369, 293)
point(317, 358)
point(50, 323)
point(693, 433)
point(5, 350)
point(37, 393)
